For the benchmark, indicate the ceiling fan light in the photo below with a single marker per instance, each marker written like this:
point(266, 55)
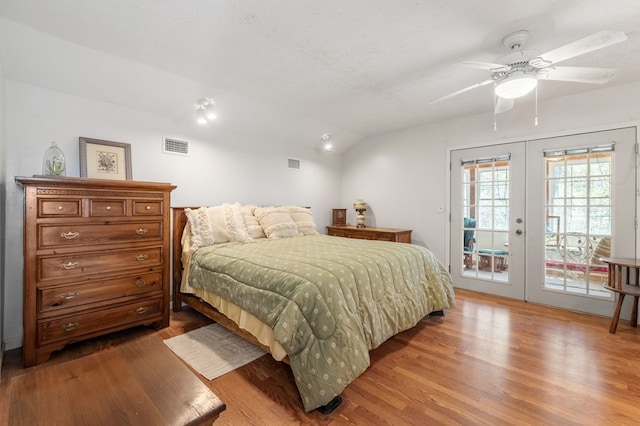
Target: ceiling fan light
point(515, 87)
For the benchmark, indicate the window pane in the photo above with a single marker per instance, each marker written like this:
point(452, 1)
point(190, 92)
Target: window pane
point(599, 187)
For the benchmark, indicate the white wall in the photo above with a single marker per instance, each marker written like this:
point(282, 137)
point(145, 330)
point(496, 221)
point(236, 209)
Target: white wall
point(223, 166)
point(403, 175)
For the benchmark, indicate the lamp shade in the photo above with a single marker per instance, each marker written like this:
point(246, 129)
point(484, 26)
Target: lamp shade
point(516, 86)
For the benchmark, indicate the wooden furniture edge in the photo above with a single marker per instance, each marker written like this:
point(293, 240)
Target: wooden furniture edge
point(92, 182)
point(179, 222)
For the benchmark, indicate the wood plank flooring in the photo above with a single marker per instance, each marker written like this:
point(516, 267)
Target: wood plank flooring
point(489, 361)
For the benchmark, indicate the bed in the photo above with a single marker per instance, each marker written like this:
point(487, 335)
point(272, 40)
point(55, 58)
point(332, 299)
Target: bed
point(318, 302)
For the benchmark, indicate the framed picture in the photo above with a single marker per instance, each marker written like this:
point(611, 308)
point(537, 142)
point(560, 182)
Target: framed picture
point(339, 217)
point(104, 159)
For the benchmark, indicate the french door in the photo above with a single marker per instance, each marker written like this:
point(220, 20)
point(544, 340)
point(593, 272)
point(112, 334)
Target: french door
point(488, 219)
point(531, 220)
point(581, 197)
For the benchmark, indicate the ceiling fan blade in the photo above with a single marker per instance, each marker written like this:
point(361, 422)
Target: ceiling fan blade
point(466, 89)
point(504, 105)
point(485, 65)
point(580, 47)
point(578, 74)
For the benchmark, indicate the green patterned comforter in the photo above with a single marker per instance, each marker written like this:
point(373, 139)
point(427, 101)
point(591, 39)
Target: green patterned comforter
point(328, 299)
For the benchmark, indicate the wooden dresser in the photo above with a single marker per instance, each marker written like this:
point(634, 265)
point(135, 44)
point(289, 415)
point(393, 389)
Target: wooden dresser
point(383, 234)
point(96, 259)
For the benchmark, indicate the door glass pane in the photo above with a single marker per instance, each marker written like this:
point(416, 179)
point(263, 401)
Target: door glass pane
point(578, 222)
point(485, 208)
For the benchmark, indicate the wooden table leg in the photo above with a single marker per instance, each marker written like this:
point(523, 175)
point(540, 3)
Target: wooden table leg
point(633, 322)
point(616, 314)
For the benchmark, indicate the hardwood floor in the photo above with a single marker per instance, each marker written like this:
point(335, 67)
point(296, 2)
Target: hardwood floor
point(488, 361)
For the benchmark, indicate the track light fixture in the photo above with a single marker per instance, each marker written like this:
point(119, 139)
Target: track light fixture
point(327, 145)
point(205, 111)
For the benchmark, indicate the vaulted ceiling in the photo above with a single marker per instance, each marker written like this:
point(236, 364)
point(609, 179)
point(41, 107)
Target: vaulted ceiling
point(360, 66)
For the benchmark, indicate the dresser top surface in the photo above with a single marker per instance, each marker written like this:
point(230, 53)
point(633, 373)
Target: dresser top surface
point(52, 181)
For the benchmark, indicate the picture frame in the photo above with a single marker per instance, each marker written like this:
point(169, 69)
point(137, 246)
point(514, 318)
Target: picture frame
point(102, 159)
point(339, 217)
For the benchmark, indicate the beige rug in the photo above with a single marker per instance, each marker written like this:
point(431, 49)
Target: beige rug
point(213, 350)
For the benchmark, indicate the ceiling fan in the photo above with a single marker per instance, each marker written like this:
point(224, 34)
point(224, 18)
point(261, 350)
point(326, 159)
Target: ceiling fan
point(517, 73)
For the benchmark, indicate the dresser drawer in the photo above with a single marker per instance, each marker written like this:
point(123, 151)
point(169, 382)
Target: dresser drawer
point(59, 207)
point(113, 208)
point(74, 265)
point(52, 235)
point(74, 326)
point(337, 233)
point(56, 298)
point(364, 235)
point(145, 207)
point(381, 236)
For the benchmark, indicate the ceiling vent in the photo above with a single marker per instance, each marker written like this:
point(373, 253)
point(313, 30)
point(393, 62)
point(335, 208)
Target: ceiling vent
point(293, 164)
point(175, 146)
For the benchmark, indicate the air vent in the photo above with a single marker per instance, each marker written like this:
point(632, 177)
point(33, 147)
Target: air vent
point(175, 146)
point(293, 164)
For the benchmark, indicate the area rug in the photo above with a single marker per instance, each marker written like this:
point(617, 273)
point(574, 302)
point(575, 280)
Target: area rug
point(213, 350)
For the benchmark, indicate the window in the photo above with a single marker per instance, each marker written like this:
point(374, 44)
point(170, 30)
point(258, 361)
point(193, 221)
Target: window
point(579, 219)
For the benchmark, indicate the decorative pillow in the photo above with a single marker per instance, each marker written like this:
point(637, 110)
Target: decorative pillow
point(198, 223)
point(276, 222)
point(216, 225)
point(254, 230)
point(235, 222)
point(303, 218)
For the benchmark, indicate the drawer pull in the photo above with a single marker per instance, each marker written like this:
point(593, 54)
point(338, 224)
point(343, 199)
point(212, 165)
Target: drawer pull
point(140, 283)
point(108, 207)
point(60, 208)
point(70, 326)
point(147, 207)
point(141, 257)
point(141, 231)
point(141, 310)
point(69, 296)
point(70, 235)
point(70, 265)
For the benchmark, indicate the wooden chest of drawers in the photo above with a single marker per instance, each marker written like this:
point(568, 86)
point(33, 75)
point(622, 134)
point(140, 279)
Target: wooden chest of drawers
point(383, 234)
point(96, 259)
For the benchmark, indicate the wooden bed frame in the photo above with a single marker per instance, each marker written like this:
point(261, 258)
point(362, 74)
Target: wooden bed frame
point(178, 298)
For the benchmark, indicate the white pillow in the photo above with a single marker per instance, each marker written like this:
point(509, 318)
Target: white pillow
point(235, 222)
point(254, 230)
point(276, 222)
point(198, 223)
point(216, 225)
point(303, 218)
